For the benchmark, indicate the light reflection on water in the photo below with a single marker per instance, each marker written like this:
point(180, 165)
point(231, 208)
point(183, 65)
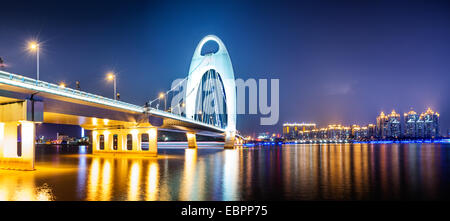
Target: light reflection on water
point(290, 172)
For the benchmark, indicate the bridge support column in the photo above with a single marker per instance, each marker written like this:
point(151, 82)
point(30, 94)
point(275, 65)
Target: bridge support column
point(15, 155)
point(191, 140)
point(138, 141)
point(153, 141)
point(14, 116)
point(230, 138)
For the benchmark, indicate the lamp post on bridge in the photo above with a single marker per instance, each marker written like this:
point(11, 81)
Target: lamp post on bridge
point(201, 115)
point(112, 76)
point(161, 96)
point(34, 46)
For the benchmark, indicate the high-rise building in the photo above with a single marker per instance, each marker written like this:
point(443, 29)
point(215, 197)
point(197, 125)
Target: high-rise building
point(338, 132)
point(356, 131)
point(410, 124)
point(425, 125)
point(388, 126)
point(394, 128)
point(371, 131)
point(364, 133)
point(291, 131)
point(382, 125)
point(420, 128)
point(431, 124)
point(323, 133)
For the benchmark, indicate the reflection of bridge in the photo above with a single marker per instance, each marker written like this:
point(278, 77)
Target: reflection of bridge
point(118, 127)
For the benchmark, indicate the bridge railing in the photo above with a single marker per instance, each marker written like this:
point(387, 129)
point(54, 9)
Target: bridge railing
point(38, 85)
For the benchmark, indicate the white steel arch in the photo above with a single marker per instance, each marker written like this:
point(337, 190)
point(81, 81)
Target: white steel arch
point(221, 63)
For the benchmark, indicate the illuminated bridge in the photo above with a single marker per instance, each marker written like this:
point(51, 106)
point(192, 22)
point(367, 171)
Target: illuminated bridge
point(119, 127)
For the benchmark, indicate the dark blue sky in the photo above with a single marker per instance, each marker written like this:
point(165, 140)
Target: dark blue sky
point(337, 61)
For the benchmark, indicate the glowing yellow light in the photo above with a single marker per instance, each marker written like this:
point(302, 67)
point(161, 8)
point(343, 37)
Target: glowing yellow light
point(93, 180)
point(134, 184)
point(105, 121)
point(33, 45)
point(62, 85)
point(161, 95)
point(110, 76)
point(152, 183)
point(190, 135)
point(94, 121)
point(152, 133)
point(106, 181)
point(134, 132)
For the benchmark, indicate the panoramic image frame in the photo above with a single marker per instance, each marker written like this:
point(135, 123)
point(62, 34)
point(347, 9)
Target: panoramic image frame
point(225, 109)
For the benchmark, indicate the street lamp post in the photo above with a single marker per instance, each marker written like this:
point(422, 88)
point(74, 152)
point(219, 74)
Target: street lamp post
point(34, 46)
point(112, 76)
point(201, 115)
point(161, 95)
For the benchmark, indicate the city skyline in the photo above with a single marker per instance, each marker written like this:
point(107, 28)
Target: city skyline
point(386, 126)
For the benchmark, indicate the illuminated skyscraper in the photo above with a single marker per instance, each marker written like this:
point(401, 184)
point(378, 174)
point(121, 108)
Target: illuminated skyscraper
point(371, 131)
point(382, 126)
point(394, 128)
point(431, 124)
point(420, 128)
point(410, 123)
point(292, 131)
point(356, 131)
point(364, 132)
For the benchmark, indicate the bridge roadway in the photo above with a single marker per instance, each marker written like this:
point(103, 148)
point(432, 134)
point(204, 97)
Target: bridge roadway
point(69, 106)
point(50, 103)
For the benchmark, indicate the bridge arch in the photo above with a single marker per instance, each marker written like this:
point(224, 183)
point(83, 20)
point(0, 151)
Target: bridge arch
point(220, 63)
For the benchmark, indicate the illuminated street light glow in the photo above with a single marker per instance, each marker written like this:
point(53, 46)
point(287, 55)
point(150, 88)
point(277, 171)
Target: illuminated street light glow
point(112, 76)
point(161, 96)
point(34, 46)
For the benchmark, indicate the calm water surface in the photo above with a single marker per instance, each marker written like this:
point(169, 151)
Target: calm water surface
point(290, 172)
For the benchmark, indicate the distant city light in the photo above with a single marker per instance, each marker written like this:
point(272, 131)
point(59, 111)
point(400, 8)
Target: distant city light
point(423, 126)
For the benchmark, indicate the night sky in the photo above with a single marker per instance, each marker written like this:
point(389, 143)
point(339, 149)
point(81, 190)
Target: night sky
point(337, 61)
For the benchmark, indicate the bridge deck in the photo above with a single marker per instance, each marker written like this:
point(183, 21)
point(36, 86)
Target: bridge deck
point(73, 102)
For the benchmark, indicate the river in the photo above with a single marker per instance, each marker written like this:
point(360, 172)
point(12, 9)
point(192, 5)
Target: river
point(288, 172)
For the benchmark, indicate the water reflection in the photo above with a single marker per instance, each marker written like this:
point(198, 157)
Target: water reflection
point(230, 174)
point(291, 172)
point(152, 181)
point(16, 187)
point(134, 186)
point(189, 175)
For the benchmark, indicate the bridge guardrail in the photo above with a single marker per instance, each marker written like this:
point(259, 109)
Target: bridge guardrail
point(33, 84)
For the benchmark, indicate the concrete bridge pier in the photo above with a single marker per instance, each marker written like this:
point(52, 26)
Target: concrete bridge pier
point(18, 133)
point(230, 139)
point(191, 140)
point(139, 141)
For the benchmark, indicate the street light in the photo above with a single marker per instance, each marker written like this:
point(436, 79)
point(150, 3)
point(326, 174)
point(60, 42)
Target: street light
point(161, 96)
point(112, 76)
point(34, 46)
point(200, 113)
point(62, 85)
